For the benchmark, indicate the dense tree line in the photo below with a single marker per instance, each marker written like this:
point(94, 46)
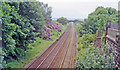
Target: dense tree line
point(98, 19)
point(62, 20)
point(22, 22)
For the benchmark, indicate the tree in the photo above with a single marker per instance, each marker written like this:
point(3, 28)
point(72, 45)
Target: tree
point(98, 19)
point(62, 20)
point(22, 22)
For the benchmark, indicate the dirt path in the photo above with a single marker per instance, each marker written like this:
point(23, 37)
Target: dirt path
point(60, 54)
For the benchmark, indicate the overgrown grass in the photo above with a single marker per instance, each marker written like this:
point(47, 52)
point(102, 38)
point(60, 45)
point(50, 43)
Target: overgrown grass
point(35, 49)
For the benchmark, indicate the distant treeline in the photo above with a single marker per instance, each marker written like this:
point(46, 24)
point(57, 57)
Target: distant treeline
point(22, 22)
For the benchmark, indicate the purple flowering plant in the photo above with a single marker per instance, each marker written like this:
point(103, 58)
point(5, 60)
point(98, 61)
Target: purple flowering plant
point(49, 28)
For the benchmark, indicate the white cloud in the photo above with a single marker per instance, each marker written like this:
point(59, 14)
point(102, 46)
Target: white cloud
point(77, 8)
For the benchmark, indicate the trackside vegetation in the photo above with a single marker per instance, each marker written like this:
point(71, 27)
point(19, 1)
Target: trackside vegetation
point(26, 28)
point(88, 30)
point(34, 49)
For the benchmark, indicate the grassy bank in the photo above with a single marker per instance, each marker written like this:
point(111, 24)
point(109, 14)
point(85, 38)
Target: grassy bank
point(35, 49)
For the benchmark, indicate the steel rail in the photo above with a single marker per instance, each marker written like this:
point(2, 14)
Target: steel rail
point(57, 53)
point(61, 41)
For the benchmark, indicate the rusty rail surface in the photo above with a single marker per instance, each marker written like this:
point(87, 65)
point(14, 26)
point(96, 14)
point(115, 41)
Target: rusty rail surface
point(60, 54)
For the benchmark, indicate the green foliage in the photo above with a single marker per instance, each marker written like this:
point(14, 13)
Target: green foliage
point(88, 56)
point(1, 58)
point(85, 40)
point(22, 22)
point(8, 29)
point(62, 20)
point(97, 19)
point(34, 49)
point(77, 21)
point(93, 58)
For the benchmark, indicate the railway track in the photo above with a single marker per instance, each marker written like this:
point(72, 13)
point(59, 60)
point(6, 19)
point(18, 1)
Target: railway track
point(60, 54)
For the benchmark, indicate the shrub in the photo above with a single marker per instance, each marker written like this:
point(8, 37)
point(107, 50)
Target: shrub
point(94, 59)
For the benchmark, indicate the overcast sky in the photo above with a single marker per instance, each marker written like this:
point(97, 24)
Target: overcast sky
point(77, 8)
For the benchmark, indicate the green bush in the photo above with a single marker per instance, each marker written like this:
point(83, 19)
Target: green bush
point(94, 58)
point(86, 40)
